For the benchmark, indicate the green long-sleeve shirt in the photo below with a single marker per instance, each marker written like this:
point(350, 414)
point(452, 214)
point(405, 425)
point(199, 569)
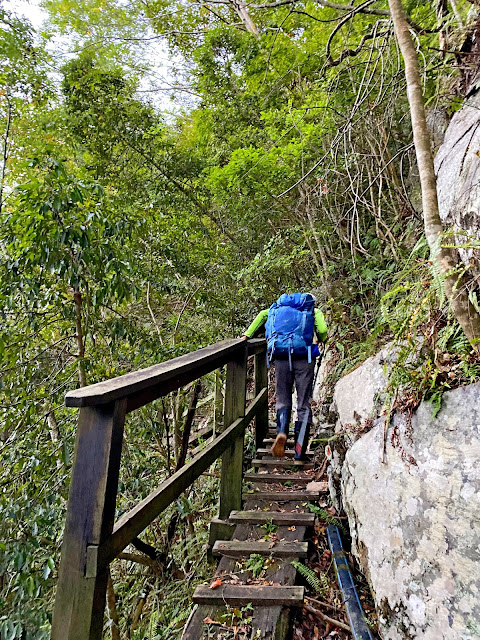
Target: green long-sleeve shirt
point(320, 325)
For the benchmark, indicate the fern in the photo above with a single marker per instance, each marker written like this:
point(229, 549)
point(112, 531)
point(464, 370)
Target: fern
point(326, 517)
point(319, 584)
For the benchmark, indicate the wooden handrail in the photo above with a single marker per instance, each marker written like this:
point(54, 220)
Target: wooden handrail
point(135, 521)
point(91, 539)
point(163, 377)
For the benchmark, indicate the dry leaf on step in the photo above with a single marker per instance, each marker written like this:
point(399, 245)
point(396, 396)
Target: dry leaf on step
point(216, 583)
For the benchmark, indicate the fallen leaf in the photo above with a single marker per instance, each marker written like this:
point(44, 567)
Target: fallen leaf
point(208, 620)
point(292, 528)
point(216, 583)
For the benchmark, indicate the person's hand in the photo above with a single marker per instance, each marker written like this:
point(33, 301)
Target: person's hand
point(244, 337)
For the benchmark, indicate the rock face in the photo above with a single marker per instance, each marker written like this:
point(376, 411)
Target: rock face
point(458, 175)
point(360, 395)
point(415, 519)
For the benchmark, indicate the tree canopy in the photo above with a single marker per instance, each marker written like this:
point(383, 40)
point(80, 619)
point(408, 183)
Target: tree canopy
point(168, 168)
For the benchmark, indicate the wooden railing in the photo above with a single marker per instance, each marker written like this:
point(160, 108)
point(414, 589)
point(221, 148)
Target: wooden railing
point(91, 538)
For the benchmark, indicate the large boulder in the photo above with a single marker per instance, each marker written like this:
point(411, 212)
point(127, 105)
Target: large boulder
point(360, 395)
point(457, 166)
point(415, 518)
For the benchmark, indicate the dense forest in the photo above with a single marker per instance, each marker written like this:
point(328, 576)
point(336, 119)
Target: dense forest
point(169, 168)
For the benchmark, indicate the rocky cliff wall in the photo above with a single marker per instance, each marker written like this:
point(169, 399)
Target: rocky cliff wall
point(414, 511)
point(457, 165)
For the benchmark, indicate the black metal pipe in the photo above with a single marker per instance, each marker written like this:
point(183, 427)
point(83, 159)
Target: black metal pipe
point(355, 614)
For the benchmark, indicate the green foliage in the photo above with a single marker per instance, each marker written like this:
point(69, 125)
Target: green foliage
point(269, 527)
point(319, 583)
point(174, 229)
point(255, 563)
point(236, 616)
point(430, 353)
point(326, 517)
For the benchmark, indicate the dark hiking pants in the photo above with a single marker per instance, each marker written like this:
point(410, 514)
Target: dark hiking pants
point(302, 375)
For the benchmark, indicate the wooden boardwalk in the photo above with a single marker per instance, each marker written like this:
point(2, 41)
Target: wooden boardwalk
point(255, 578)
point(263, 521)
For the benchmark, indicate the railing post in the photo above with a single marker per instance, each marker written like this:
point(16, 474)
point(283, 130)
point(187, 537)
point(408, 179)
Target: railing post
point(261, 381)
point(80, 599)
point(232, 460)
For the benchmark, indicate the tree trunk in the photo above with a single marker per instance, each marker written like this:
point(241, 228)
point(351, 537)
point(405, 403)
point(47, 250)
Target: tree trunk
point(77, 297)
point(242, 12)
point(187, 428)
point(54, 434)
point(444, 259)
point(5, 148)
point(442, 11)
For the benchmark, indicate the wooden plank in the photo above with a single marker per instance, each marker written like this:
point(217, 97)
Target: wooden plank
point(135, 521)
point(279, 518)
point(280, 463)
point(268, 622)
point(278, 478)
point(256, 346)
point(232, 459)
point(284, 496)
point(289, 453)
point(159, 379)
point(80, 600)
point(259, 596)
point(240, 548)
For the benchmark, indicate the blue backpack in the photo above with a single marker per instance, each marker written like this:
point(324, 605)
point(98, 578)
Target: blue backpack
point(289, 327)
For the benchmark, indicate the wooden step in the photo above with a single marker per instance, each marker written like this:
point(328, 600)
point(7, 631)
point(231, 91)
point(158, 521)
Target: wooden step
point(241, 548)
point(275, 517)
point(284, 496)
point(281, 463)
point(288, 453)
point(277, 477)
point(259, 596)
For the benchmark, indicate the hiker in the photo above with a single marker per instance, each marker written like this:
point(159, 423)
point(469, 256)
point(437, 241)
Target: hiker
point(289, 327)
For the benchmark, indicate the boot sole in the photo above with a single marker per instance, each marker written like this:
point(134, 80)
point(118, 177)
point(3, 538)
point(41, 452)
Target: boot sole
point(278, 449)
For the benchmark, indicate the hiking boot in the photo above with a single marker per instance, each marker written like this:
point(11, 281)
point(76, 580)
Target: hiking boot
point(283, 419)
point(300, 450)
point(298, 426)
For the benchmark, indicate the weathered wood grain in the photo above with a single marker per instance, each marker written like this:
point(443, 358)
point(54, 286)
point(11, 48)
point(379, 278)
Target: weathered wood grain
point(282, 464)
point(256, 346)
point(157, 380)
point(244, 594)
point(279, 518)
point(80, 600)
point(289, 453)
point(232, 458)
point(239, 549)
point(136, 520)
point(283, 496)
point(277, 478)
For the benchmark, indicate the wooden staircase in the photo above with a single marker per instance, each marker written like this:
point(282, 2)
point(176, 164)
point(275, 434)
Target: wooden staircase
point(273, 530)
